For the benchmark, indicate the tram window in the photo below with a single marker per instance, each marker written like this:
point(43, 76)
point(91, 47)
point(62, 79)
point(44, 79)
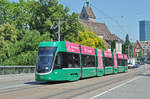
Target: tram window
point(58, 61)
point(125, 63)
point(88, 61)
point(108, 62)
point(76, 59)
point(67, 60)
point(121, 62)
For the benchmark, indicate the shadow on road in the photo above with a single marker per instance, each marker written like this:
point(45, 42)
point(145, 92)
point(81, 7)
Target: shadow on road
point(45, 83)
point(144, 74)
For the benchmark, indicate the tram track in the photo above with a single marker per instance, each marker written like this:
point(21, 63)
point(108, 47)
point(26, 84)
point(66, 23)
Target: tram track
point(18, 88)
point(94, 86)
point(77, 88)
point(26, 86)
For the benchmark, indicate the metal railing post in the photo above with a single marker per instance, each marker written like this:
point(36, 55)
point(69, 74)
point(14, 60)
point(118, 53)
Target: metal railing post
point(3, 71)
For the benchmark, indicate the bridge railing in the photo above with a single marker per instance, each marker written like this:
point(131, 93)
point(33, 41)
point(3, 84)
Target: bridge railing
point(16, 69)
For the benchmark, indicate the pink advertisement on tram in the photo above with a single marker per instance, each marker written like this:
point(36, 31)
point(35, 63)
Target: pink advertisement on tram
point(115, 60)
point(72, 47)
point(107, 54)
point(100, 60)
point(87, 50)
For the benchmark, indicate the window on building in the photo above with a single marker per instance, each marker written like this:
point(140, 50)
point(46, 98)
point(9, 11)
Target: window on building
point(84, 15)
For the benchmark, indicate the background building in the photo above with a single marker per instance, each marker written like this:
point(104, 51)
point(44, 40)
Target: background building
point(146, 48)
point(144, 30)
point(88, 19)
point(137, 50)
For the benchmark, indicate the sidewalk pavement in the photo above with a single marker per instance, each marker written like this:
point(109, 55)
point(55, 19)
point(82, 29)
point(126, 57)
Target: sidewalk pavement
point(23, 76)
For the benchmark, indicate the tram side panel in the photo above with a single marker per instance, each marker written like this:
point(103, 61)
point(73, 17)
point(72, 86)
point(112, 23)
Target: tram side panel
point(71, 62)
point(108, 62)
point(99, 61)
point(126, 65)
point(120, 59)
point(115, 67)
point(122, 63)
point(69, 66)
point(88, 61)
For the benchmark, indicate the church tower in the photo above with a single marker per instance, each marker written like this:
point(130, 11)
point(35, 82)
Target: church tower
point(87, 13)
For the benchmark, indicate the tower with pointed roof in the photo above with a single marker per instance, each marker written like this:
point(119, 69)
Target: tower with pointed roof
point(87, 13)
point(88, 19)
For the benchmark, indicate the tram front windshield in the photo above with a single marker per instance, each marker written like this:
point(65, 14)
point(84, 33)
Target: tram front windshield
point(45, 59)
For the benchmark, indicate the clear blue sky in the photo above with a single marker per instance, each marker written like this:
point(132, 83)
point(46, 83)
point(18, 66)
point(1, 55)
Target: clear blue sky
point(121, 16)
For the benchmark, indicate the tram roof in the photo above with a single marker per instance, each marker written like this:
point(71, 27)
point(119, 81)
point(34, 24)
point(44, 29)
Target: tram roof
point(62, 46)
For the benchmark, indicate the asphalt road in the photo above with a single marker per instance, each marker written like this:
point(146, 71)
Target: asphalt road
point(133, 84)
point(137, 88)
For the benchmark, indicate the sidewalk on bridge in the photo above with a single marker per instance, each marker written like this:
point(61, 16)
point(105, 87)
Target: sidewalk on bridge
point(23, 76)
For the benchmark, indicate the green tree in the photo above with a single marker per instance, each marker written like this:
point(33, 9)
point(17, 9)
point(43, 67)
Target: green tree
point(113, 45)
point(148, 54)
point(126, 46)
point(88, 38)
point(16, 13)
point(24, 24)
point(8, 36)
point(140, 53)
point(24, 52)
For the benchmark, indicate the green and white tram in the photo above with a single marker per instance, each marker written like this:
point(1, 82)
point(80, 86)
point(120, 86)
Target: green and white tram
point(58, 61)
point(66, 61)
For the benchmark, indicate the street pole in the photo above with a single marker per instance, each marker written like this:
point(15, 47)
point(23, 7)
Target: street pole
point(59, 30)
point(128, 51)
point(57, 26)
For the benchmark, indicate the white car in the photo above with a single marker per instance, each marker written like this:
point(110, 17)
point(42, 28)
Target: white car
point(131, 66)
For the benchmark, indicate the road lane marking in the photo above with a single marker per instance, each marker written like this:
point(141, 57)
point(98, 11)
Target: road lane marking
point(114, 88)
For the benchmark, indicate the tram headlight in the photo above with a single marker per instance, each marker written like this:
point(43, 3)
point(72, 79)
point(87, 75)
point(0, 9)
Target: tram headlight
point(46, 67)
point(41, 77)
